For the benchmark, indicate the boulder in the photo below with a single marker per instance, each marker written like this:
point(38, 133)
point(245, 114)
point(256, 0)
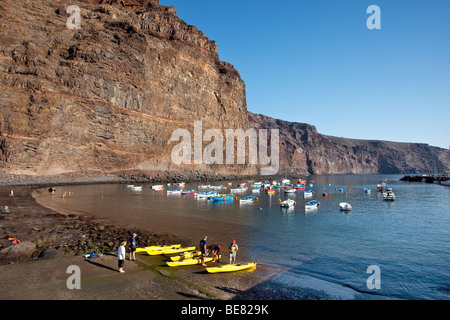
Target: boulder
point(18, 253)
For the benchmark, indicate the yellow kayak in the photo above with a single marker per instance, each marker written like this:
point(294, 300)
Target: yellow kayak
point(144, 250)
point(169, 251)
point(232, 267)
point(189, 262)
point(188, 255)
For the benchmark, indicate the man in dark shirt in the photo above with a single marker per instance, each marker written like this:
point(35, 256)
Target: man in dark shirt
point(204, 249)
point(133, 247)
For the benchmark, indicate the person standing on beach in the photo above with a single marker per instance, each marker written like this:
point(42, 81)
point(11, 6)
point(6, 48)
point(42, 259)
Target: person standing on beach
point(121, 256)
point(133, 247)
point(233, 249)
point(204, 249)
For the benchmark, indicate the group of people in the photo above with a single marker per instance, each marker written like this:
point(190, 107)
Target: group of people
point(122, 251)
point(215, 249)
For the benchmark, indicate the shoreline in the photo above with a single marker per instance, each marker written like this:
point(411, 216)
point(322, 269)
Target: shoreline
point(57, 231)
point(62, 239)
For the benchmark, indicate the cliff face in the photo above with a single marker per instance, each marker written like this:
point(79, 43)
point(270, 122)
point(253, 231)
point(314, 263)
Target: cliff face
point(107, 96)
point(304, 150)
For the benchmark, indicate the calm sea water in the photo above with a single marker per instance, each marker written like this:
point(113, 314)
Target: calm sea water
point(408, 239)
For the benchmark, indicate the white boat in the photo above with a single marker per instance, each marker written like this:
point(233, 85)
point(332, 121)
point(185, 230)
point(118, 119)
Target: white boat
point(129, 186)
point(246, 199)
point(206, 194)
point(313, 204)
point(178, 191)
point(389, 195)
point(290, 190)
point(445, 183)
point(137, 188)
point(157, 187)
point(287, 203)
point(240, 189)
point(307, 193)
point(345, 206)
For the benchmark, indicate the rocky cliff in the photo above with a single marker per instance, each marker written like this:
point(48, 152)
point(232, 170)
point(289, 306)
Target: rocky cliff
point(304, 150)
point(106, 97)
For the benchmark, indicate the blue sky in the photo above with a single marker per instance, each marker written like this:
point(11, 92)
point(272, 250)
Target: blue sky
point(315, 61)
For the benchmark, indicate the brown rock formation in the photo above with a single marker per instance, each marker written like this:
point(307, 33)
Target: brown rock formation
point(108, 96)
point(304, 150)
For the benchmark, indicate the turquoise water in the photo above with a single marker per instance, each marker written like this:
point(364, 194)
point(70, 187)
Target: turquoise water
point(408, 239)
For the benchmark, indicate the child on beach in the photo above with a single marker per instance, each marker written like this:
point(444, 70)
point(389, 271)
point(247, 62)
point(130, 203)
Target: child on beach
point(121, 256)
point(233, 249)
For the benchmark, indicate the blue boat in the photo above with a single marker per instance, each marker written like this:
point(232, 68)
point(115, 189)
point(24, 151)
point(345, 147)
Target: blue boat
point(312, 204)
point(224, 197)
point(246, 199)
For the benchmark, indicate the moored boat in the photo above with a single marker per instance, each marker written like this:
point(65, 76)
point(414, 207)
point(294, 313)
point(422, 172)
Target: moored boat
point(389, 195)
point(344, 206)
point(287, 203)
point(223, 197)
point(192, 191)
point(247, 199)
point(312, 204)
point(307, 193)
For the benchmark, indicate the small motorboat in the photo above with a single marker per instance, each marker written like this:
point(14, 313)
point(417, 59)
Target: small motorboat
point(178, 191)
point(313, 204)
point(287, 203)
point(137, 188)
point(256, 190)
point(389, 195)
point(246, 199)
point(344, 206)
point(308, 193)
point(290, 190)
point(206, 194)
point(129, 186)
point(300, 187)
point(223, 197)
point(239, 189)
point(192, 191)
point(158, 187)
point(270, 191)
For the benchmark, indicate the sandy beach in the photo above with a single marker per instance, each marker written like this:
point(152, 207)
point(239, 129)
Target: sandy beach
point(43, 275)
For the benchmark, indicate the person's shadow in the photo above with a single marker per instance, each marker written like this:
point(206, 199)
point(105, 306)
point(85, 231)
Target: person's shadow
point(100, 265)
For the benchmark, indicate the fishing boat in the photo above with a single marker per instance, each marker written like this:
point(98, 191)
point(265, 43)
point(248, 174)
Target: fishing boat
point(232, 267)
point(246, 199)
point(185, 192)
point(206, 194)
point(290, 190)
point(239, 189)
point(307, 193)
point(285, 181)
point(389, 195)
point(344, 206)
point(137, 188)
point(158, 187)
point(312, 204)
point(300, 187)
point(270, 191)
point(129, 186)
point(256, 190)
point(287, 203)
point(178, 191)
point(223, 197)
